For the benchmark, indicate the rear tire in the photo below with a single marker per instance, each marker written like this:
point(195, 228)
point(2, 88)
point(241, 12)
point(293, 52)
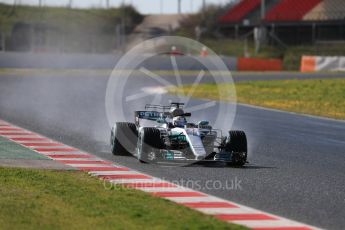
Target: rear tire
point(123, 138)
point(149, 144)
point(237, 147)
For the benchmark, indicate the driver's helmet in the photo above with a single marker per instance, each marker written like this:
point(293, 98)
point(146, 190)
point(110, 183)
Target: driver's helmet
point(179, 121)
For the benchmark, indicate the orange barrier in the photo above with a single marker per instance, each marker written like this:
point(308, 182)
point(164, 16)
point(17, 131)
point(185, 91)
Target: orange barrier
point(257, 64)
point(308, 64)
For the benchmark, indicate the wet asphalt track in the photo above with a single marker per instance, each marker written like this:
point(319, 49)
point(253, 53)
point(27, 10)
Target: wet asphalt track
point(296, 162)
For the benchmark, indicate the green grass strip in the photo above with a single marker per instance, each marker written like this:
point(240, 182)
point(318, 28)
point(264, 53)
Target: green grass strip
point(313, 96)
point(11, 150)
point(43, 199)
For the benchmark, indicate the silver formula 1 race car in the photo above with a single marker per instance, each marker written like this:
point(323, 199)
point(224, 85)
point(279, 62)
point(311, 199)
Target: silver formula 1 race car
point(173, 139)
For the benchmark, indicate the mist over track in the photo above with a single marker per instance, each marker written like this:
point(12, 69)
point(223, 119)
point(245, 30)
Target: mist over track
point(296, 165)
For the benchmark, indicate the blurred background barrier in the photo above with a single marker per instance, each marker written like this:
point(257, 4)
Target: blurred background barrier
point(322, 63)
point(265, 29)
point(308, 64)
point(103, 61)
point(257, 64)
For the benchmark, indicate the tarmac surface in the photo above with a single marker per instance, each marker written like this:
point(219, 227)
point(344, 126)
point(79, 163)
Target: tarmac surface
point(296, 165)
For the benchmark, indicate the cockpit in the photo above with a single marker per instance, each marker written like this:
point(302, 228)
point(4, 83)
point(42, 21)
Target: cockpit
point(179, 121)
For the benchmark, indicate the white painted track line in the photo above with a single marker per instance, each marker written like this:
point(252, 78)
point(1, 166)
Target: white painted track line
point(90, 165)
point(64, 153)
point(127, 181)
point(76, 159)
point(192, 199)
point(108, 173)
point(214, 211)
point(166, 189)
point(267, 223)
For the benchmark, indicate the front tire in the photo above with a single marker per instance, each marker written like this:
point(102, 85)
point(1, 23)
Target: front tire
point(237, 147)
point(149, 144)
point(123, 138)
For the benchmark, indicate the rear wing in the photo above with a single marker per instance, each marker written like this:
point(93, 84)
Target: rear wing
point(155, 112)
point(157, 108)
point(164, 108)
point(147, 115)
